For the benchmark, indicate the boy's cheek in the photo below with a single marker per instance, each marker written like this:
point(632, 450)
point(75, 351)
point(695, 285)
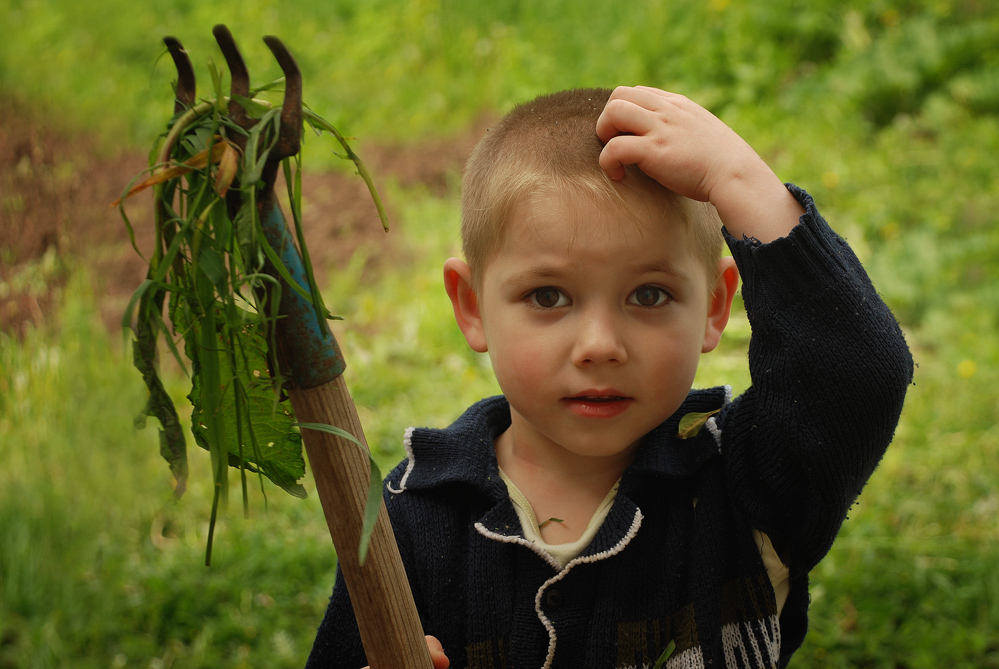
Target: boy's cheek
point(518, 371)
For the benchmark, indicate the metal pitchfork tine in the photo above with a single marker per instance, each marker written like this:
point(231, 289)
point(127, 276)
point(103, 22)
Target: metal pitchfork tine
point(290, 136)
point(386, 613)
point(185, 75)
point(290, 139)
point(318, 360)
point(240, 79)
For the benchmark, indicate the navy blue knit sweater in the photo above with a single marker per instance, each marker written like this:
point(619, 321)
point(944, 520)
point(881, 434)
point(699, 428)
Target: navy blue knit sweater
point(675, 559)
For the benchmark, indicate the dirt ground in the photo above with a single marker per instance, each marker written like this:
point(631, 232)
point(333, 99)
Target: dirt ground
point(55, 193)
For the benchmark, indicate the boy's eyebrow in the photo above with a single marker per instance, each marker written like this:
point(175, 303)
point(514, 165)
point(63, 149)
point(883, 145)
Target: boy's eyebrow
point(659, 267)
point(545, 271)
point(536, 272)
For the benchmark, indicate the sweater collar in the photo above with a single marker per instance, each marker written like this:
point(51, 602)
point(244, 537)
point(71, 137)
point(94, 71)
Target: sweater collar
point(663, 453)
point(463, 453)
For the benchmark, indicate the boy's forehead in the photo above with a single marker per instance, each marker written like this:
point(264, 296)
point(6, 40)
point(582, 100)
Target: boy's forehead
point(580, 212)
point(574, 229)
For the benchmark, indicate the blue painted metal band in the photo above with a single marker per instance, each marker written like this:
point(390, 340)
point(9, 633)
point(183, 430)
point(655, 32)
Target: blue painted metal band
point(309, 348)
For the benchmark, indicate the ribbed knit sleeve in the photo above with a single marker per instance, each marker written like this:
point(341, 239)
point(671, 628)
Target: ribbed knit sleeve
point(829, 368)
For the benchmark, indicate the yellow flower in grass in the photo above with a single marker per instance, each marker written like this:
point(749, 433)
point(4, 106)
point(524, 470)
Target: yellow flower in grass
point(966, 369)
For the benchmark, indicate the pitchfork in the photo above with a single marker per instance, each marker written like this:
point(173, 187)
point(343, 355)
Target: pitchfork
point(383, 603)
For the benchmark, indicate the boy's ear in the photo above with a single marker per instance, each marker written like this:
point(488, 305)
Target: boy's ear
point(465, 302)
point(720, 306)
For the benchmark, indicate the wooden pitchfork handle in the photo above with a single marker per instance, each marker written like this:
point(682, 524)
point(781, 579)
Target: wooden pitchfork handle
point(379, 590)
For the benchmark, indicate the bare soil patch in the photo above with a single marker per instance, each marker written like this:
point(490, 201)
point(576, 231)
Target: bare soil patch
point(56, 188)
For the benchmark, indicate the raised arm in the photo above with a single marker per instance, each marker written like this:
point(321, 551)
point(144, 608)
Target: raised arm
point(829, 364)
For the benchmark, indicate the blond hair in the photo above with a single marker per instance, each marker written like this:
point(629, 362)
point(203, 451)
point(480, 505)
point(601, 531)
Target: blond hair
point(547, 147)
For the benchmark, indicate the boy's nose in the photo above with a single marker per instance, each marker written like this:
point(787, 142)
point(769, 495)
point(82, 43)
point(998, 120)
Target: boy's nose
point(598, 340)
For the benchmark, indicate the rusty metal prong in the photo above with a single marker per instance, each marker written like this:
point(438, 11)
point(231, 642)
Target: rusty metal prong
point(239, 74)
point(290, 138)
point(184, 97)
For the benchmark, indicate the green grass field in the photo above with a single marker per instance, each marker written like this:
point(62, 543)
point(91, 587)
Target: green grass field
point(887, 112)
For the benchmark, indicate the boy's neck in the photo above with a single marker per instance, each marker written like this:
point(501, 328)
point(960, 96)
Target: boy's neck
point(557, 483)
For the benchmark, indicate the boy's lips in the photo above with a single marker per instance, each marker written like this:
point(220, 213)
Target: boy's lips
point(598, 404)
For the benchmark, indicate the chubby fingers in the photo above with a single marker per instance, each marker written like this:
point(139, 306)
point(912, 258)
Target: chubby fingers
point(631, 105)
point(621, 151)
point(437, 655)
point(631, 114)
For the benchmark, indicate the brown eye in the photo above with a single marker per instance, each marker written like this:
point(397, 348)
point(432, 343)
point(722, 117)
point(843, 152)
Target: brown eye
point(548, 297)
point(649, 296)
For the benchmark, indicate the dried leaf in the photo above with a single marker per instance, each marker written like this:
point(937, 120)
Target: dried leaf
point(228, 166)
point(163, 174)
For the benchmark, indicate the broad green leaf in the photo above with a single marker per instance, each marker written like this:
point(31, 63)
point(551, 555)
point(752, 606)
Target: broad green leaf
point(271, 446)
point(211, 262)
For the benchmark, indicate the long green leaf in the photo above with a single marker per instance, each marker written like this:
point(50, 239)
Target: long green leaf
point(294, 183)
point(279, 265)
point(371, 508)
point(254, 108)
point(665, 656)
point(372, 505)
point(317, 121)
point(173, 448)
point(330, 429)
point(222, 282)
point(126, 318)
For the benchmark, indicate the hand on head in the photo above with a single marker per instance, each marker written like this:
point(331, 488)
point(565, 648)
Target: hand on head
point(672, 139)
point(692, 152)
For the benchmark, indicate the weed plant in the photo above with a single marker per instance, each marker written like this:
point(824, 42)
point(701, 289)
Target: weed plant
point(887, 112)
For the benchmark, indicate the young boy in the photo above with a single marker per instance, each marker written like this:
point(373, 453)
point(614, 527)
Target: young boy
point(601, 509)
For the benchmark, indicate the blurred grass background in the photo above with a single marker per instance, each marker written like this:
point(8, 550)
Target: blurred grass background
point(886, 111)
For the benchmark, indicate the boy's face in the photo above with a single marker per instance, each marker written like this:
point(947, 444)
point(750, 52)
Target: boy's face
point(594, 322)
